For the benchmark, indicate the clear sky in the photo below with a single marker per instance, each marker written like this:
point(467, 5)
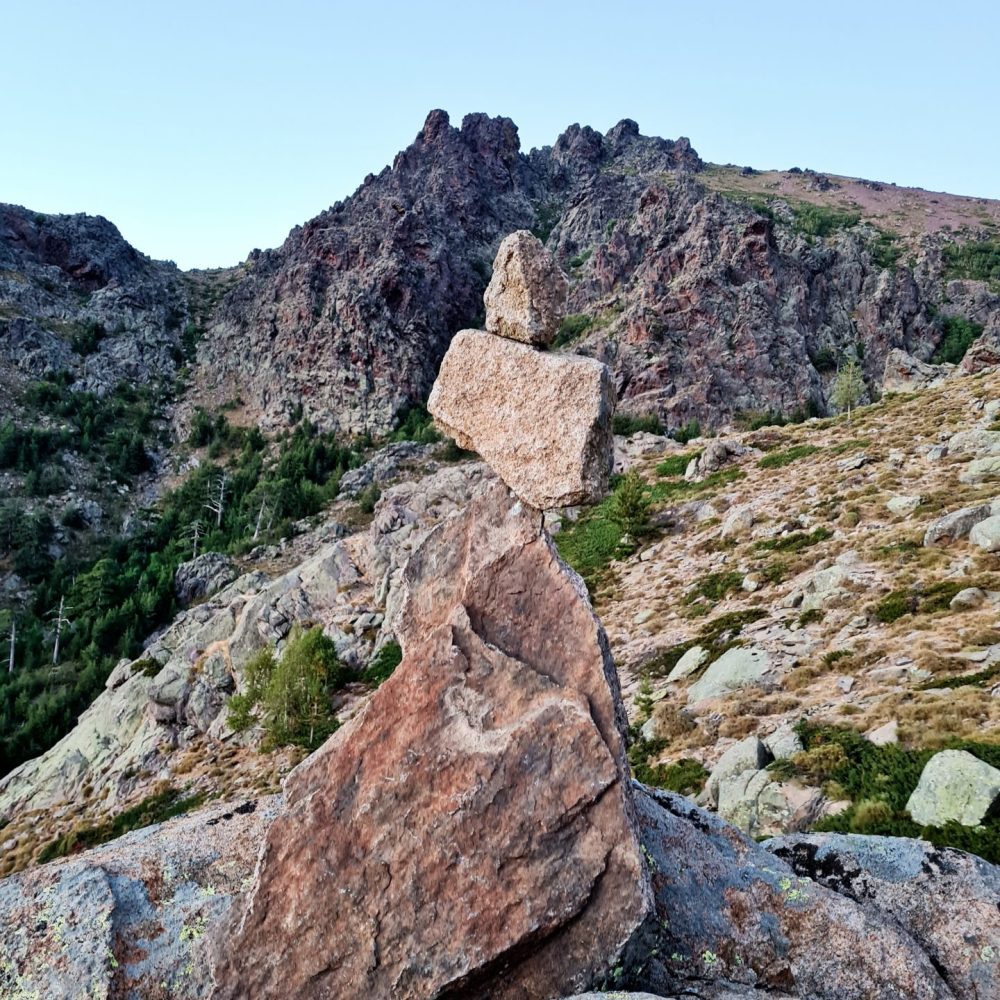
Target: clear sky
point(205, 129)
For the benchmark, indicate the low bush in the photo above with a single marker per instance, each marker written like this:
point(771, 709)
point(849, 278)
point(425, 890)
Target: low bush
point(958, 335)
point(627, 424)
point(794, 542)
point(383, 663)
point(779, 459)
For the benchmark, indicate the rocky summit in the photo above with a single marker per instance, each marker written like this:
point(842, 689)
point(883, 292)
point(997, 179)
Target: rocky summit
point(550, 574)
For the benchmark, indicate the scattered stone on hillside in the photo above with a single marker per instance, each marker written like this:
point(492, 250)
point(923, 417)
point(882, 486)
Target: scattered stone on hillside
point(986, 534)
point(784, 742)
point(201, 577)
point(945, 900)
point(736, 668)
point(904, 373)
point(748, 754)
point(970, 597)
point(976, 441)
point(716, 453)
point(541, 421)
point(981, 470)
point(688, 663)
point(885, 734)
point(904, 504)
point(526, 297)
point(956, 524)
point(956, 787)
point(738, 521)
point(853, 462)
point(488, 774)
point(130, 919)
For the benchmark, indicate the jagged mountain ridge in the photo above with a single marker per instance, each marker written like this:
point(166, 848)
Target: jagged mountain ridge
point(704, 306)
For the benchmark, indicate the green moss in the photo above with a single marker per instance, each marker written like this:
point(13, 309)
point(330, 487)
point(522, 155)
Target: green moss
point(779, 459)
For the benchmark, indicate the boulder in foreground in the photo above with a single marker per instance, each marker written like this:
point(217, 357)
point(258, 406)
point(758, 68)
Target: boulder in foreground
point(541, 421)
point(470, 833)
point(526, 297)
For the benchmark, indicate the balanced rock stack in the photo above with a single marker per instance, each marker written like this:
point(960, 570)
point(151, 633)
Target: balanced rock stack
point(541, 421)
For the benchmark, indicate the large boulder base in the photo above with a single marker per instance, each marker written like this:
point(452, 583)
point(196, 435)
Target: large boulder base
point(470, 832)
point(526, 297)
point(955, 787)
point(541, 421)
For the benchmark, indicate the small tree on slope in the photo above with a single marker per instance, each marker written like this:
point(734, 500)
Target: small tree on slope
point(848, 387)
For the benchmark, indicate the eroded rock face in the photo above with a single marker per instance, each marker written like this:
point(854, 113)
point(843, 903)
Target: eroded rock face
point(470, 832)
point(526, 297)
point(541, 421)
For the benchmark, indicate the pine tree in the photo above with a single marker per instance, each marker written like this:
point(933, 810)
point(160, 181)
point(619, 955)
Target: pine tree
point(848, 387)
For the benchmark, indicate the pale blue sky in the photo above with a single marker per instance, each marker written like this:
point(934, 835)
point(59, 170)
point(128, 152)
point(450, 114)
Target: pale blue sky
point(204, 129)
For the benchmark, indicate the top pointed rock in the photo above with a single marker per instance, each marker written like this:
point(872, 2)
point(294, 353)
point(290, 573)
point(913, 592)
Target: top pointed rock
point(526, 298)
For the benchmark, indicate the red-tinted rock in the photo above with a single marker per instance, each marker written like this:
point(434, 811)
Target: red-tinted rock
point(470, 833)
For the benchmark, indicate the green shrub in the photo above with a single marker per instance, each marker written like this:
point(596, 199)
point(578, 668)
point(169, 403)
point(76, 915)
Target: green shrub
point(383, 663)
point(630, 504)
point(416, 424)
point(879, 781)
point(571, 328)
point(795, 542)
point(824, 359)
point(958, 335)
point(686, 776)
point(368, 497)
point(580, 259)
point(885, 250)
point(818, 220)
point(915, 601)
point(86, 340)
point(975, 260)
point(626, 424)
point(714, 586)
point(688, 432)
point(779, 459)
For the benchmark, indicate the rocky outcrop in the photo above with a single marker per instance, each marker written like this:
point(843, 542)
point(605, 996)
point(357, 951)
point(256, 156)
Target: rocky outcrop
point(129, 920)
point(526, 297)
point(542, 421)
point(470, 833)
point(198, 578)
point(945, 900)
point(905, 373)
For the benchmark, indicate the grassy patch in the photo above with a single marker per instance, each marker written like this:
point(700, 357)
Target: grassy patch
point(779, 459)
point(680, 488)
point(676, 465)
point(716, 636)
point(383, 663)
point(879, 781)
point(976, 260)
point(156, 808)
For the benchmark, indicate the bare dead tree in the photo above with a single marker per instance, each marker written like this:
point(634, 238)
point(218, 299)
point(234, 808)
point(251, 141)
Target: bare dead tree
point(194, 531)
point(260, 518)
point(216, 501)
point(13, 644)
point(61, 621)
